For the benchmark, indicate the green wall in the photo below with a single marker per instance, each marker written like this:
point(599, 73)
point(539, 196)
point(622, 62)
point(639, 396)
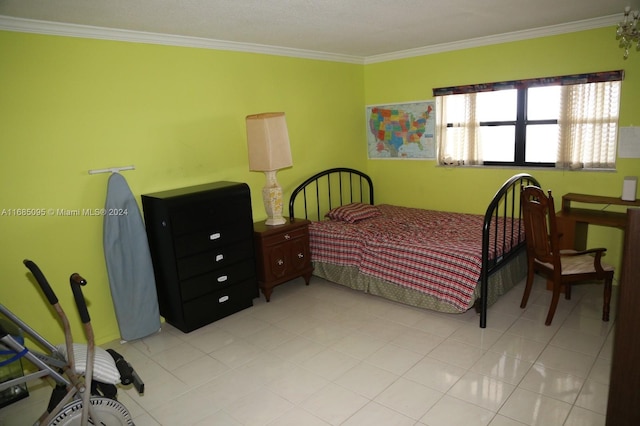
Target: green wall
point(68, 105)
point(423, 184)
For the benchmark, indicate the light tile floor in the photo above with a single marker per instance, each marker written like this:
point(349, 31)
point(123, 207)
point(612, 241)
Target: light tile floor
point(325, 355)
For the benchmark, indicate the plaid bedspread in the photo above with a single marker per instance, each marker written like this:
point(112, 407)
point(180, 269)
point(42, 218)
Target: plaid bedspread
point(437, 252)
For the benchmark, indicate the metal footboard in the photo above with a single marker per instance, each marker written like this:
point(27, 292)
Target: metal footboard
point(502, 219)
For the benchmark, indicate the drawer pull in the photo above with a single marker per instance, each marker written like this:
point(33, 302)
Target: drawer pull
point(280, 262)
point(300, 255)
point(287, 236)
point(214, 236)
point(219, 257)
point(223, 299)
point(222, 278)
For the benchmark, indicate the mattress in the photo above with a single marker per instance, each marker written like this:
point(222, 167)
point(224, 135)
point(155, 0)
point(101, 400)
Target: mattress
point(435, 253)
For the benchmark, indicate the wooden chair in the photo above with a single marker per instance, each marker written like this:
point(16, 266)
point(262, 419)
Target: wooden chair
point(562, 268)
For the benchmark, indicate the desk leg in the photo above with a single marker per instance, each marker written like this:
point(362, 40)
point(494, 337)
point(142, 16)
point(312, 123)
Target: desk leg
point(573, 235)
point(580, 236)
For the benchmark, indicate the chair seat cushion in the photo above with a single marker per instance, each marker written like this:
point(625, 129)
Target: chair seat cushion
point(582, 264)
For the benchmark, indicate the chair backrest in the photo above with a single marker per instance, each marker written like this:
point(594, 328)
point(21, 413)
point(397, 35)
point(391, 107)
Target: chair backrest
point(541, 232)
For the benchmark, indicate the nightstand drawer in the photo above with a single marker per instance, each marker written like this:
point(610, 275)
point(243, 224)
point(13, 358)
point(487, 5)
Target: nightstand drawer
point(284, 237)
point(214, 259)
point(219, 279)
point(280, 261)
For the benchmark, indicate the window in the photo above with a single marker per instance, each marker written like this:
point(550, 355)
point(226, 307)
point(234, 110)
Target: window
point(566, 122)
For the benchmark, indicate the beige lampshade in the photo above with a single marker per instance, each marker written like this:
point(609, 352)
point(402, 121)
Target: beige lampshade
point(268, 142)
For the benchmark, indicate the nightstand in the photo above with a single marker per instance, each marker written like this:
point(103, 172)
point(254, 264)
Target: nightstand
point(282, 253)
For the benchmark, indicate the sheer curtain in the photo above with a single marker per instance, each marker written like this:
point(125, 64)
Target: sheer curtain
point(588, 125)
point(458, 144)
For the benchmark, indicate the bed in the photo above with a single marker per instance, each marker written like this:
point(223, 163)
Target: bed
point(444, 261)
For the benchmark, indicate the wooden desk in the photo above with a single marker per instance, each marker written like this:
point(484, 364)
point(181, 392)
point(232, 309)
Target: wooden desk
point(573, 222)
point(624, 389)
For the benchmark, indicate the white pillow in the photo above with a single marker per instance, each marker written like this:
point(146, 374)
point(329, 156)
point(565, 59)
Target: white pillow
point(104, 367)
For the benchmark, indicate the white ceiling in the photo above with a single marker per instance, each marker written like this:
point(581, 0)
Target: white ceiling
point(353, 28)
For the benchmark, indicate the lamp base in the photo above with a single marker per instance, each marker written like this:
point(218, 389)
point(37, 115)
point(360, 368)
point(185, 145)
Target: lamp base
point(272, 198)
point(275, 221)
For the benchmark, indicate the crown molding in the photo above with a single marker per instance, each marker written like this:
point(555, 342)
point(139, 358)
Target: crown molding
point(587, 24)
point(9, 23)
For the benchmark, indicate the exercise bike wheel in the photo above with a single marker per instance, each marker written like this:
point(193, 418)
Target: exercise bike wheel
point(108, 411)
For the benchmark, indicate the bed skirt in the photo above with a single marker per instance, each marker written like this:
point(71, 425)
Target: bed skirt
point(500, 282)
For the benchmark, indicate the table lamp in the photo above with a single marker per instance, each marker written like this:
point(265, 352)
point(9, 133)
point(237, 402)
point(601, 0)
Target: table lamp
point(269, 151)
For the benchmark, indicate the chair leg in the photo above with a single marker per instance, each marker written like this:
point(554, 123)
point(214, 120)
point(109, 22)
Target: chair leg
point(527, 287)
point(554, 303)
point(567, 291)
point(607, 299)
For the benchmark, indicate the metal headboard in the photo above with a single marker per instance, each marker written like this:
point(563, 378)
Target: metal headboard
point(328, 189)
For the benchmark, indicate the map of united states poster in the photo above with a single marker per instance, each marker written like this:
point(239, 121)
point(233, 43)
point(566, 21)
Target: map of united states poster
point(405, 130)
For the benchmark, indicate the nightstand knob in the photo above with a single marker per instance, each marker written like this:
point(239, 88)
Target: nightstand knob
point(280, 262)
point(287, 236)
point(300, 255)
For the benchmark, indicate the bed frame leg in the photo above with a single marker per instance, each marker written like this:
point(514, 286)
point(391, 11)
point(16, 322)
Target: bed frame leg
point(484, 293)
point(483, 314)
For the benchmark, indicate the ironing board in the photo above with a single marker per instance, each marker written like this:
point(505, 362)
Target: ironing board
point(128, 260)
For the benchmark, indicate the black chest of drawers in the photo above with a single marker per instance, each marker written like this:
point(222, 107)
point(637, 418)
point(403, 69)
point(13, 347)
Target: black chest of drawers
point(201, 244)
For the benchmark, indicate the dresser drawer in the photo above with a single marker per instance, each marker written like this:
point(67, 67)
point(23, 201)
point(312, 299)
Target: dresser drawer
point(218, 304)
point(284, 237)
point(221, 212)
point(212, 237)
point(213, 260)
point(221, 278)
